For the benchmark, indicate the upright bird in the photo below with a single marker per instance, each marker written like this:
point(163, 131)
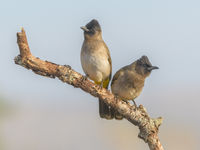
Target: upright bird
point(128, 82)
point(96, 61)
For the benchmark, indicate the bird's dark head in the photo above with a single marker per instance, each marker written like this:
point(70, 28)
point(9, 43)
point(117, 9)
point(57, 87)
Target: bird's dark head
point(144, 67)
point(92, 29)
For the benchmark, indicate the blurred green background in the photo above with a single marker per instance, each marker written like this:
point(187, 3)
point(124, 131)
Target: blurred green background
point(38, 113)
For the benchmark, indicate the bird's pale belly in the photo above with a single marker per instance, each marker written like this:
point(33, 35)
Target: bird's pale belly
point(97, 68)
point(125, 92)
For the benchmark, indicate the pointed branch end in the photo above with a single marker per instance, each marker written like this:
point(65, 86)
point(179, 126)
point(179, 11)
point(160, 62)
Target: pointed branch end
point(18, 60)
point(158, 121)
point(22, 29)
point(23, 44)
point(21, 33)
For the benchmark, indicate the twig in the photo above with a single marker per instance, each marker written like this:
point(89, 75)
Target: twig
point(139, 117)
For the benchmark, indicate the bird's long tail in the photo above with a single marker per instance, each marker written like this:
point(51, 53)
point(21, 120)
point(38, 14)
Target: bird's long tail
point(106, 111)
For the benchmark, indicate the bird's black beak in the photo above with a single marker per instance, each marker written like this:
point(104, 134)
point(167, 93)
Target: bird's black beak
point(84, 28)
point(152, 68)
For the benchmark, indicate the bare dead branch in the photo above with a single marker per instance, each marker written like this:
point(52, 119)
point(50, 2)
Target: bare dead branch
point(139, 117)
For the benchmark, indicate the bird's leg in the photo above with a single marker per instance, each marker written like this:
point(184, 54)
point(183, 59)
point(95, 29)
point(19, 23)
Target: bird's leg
point(85, 77)
point(101, 85)
point(134, 104)
point(125, 101)
point(116, 98)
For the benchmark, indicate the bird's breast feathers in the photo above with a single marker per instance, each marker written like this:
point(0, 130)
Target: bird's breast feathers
point(127, 85)
point(95, 63)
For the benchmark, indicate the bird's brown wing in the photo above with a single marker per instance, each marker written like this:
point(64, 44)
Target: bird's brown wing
point(109, 60)
point(118, 73)
point(115, 77)
point(117, 115)
point(106, 111)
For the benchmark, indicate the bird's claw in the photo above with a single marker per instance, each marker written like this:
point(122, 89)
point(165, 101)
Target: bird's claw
point(135, 105)
point(84, 78)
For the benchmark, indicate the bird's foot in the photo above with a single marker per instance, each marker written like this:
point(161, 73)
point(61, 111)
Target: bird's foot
point(117, 98)
point(84, 78)
point(125, 101)
point(101, 86)
point(135, 105)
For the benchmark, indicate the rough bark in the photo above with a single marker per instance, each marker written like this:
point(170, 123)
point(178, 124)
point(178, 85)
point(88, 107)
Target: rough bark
point(139, 117)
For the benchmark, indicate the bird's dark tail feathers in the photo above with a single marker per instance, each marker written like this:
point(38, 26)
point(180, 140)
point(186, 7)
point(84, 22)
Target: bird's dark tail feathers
point(106, 111)
point(118, 116)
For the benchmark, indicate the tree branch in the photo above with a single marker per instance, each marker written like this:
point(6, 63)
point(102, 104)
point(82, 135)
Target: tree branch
point(139, 117)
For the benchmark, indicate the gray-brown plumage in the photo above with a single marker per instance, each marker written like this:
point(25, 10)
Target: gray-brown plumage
point(96, 61)
point(128, 82)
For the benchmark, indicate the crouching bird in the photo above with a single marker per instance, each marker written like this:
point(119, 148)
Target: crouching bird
point(128, 82)
point(96, 61)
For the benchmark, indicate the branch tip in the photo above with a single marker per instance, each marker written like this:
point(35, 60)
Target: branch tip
point(22, 29)
point(158, 121)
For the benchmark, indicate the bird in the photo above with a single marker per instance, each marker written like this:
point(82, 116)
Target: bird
point(128, 82)
point(96, 62)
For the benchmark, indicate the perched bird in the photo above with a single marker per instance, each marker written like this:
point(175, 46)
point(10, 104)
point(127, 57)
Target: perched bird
point(96, 61)
point(128, 82)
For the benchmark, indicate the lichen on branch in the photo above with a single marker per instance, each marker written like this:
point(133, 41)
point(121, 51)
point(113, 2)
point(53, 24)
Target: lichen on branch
point(139, 117)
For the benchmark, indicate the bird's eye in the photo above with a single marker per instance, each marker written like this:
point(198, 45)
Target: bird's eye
point(145, 65)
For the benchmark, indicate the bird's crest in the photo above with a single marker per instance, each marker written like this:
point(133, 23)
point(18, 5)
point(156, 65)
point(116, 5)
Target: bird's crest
point(93, 24)
point(144, 61)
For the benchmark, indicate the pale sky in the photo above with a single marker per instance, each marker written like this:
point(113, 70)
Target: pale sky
point(168, 32)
